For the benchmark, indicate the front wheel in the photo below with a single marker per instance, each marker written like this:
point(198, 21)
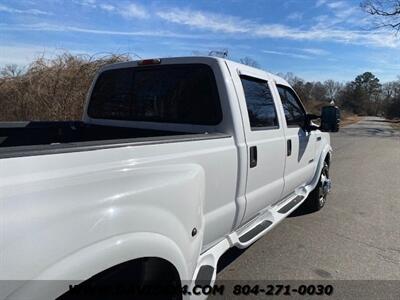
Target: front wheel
point(317, 198)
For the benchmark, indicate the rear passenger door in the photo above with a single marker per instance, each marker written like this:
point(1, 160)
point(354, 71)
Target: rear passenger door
point(265, 144)
point(300, 144)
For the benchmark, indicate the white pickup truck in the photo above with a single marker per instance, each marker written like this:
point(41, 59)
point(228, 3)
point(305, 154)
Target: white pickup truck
point(176, 161)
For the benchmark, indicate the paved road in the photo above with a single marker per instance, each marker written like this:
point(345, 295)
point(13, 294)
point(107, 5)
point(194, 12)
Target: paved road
point(355, 236)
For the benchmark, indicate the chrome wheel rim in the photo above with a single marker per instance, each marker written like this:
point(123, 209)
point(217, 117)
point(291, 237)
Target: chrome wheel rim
point(325, 186)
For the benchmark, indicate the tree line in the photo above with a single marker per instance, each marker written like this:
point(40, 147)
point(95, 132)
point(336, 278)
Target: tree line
point(365, 95)
point(55, 89)
point(50, 89)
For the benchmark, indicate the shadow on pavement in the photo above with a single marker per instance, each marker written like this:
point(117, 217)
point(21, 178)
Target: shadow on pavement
point(230, 256)
point(302, 210)
point(233, 253)
point(370, 132)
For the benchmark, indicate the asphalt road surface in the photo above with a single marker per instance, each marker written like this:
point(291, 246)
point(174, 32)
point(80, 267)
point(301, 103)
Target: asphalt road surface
point(356, 236)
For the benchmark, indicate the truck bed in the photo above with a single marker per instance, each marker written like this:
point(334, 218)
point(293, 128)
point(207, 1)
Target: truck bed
point(28, 137)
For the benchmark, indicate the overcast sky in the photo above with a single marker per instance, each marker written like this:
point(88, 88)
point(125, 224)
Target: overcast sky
point(314, 39)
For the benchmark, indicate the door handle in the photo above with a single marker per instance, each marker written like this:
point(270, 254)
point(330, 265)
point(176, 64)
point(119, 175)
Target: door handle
point(253, 156)
point(289, 147)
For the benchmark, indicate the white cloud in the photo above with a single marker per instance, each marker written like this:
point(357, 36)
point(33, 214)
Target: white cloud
point(233, 26)
point(309, 51)
point(87, 3)
point(107, 7)
point(58, 28)
point(314, 51)
point(294, 55)
point(30, 11)
point(340, 13)
point(24, 54)
point(338, 4)
point(320, 2)
point(128, 10)
point(247, 28)
point(208, 21)
point(295, 16)
point(133, 11)
point(17, 55)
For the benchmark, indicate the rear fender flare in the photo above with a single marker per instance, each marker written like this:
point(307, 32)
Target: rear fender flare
point(326, 151)
point(101, 256)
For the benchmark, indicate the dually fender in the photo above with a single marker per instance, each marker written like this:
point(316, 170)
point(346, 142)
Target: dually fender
point(130, 213)
point(326, 150)
point(99, 257)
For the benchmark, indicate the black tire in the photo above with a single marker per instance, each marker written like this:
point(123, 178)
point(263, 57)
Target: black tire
point(317, 198)
point(119, 282)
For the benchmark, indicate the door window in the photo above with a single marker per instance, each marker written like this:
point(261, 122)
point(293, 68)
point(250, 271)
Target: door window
point(260, 103)
point(294, 111)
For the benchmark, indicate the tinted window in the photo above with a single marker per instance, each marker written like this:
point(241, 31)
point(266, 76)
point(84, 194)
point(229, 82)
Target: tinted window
point(175, 94)
point(260, 104)
point(294, 113)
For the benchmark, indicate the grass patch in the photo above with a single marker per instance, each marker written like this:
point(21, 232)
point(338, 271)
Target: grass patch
point(395, 124)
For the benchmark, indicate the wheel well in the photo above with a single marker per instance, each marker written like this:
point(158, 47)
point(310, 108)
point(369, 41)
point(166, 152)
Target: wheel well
point(139, 271)
point(328, 159)
point(142, 269)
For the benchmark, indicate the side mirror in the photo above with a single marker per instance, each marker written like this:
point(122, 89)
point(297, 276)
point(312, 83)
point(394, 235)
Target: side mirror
point(330, 118)
point(309, 124)
point(313, 117)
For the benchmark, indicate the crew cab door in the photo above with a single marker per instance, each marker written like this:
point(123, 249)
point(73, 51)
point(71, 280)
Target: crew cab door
point(265, 142)
point(300, 143)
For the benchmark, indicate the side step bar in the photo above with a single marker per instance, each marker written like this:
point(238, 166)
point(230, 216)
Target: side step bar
point(254, 231)
point(204, 275)
point(265, 221)
point(291, 204)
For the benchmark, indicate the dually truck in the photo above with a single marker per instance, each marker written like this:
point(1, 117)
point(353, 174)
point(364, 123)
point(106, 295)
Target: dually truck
point(176, 160)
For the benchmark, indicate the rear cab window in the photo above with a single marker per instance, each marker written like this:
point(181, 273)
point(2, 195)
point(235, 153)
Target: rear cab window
point(181, 93)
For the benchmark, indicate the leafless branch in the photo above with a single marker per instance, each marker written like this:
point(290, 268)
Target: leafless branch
point(387, 12)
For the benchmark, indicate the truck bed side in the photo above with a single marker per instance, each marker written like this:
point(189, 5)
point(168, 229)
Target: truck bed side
point(84, 198)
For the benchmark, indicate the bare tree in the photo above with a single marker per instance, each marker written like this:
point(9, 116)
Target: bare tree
point(332, 88)
point(318, 92)
point(249, 62)
point(50, 89)
point(10, 71)
point(391, 99)
point(386, 11)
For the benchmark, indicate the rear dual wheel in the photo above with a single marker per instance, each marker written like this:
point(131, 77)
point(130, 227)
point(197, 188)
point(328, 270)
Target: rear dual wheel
point(317, 198)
